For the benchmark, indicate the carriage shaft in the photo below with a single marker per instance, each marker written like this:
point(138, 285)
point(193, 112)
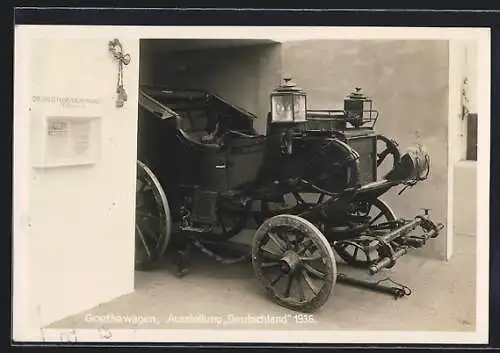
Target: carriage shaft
point(374, 286)
point(399, 232)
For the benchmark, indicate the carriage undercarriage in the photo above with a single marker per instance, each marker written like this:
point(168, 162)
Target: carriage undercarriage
point(292, 251)
point(309, 189)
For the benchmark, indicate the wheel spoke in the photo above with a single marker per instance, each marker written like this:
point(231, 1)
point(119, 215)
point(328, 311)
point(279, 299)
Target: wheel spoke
point(276, 280)
point(380, 214)
point(299, 238)
point(300, 289)
point(288, 286)
point(278, 241)
point(298, 198)
point(310, 258)
point(147, 215)
point(143, 241)
point(152, 235)
point(141, 186)
point(144, 186)
point(342, 245)
point(269, 264)
point(309, 282)
point(270, 254)
point(285, 238)
point(147, 229)
point(306, 247)
point(313, 271)
point(320, 199)
point(355, 255)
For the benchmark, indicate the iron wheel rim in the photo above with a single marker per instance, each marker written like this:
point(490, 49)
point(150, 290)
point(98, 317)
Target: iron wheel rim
point(298, 271)
point(152, 219)
point(359, 257)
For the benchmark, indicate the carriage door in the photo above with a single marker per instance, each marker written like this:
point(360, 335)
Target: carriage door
point(74, 173)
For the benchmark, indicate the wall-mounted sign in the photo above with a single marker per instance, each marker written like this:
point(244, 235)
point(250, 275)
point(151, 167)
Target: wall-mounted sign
point(66, 101)
point(64, 141)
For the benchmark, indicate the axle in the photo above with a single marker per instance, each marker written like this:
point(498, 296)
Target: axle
point(399, 232)
point(390, 255)
point(387, 261)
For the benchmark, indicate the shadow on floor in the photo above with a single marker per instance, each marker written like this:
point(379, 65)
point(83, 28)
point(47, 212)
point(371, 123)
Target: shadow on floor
point(443, 298)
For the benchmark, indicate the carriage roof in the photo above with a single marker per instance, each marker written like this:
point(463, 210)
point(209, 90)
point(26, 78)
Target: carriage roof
point(169, 103)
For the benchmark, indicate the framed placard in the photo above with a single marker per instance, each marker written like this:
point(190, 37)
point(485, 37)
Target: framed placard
point(67, 140)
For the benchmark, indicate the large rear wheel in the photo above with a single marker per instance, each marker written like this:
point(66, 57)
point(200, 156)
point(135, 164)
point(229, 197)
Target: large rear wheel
point(152, 219)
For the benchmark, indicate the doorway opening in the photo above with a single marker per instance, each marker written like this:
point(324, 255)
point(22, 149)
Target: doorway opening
point(240, 73)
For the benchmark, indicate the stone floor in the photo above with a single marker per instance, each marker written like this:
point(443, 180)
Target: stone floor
point(443, 299)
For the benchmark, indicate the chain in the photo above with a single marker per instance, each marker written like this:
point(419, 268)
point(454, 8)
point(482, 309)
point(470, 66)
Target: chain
point(219, 258)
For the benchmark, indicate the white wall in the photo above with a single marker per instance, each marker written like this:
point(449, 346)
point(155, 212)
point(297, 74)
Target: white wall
point(469, 68)
point(465, 198)
point(465, 188)
point(74, 226)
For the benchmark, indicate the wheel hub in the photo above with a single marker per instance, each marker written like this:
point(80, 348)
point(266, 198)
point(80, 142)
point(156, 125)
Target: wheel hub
point(290, 261)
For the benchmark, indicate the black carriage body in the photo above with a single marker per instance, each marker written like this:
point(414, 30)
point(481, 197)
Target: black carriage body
point(364, 141)
point(176, 139)
point(213, 166)
point(322, 156)
point(203, 148)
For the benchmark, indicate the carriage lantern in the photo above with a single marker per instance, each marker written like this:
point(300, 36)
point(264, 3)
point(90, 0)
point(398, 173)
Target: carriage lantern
point(355, 107)
point(288, 103)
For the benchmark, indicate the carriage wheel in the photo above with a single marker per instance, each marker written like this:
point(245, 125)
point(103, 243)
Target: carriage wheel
point(231, 219)
point(387, 147)
point(351, 251)
point(294, 262)
point(152, 219)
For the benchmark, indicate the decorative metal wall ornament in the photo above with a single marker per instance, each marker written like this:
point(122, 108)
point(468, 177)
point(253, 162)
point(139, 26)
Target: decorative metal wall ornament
point(465, 98)
point(116, 49)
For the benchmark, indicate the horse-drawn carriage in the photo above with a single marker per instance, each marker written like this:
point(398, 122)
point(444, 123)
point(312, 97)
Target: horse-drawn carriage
point(309, 186)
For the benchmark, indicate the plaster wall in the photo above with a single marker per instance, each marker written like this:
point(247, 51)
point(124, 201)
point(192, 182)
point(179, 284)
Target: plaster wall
point(74, 237)
point(465, 171)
